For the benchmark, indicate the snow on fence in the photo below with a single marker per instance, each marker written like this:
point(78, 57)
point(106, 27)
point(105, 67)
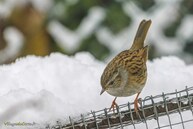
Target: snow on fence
point(156, 112)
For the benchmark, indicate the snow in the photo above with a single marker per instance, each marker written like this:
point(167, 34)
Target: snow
point(185, 27)
point(47, 89)
point(14, 40)
point(119, 41)
point(71, 40)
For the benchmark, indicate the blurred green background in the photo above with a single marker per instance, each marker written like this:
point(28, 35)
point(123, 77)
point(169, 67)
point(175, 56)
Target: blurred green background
point(101, 27)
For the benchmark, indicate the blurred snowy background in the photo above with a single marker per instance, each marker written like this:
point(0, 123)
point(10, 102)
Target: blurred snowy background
point(46, 89)
point(102, 27)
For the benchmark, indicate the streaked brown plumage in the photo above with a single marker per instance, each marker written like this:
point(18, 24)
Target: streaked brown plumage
point(126, 73)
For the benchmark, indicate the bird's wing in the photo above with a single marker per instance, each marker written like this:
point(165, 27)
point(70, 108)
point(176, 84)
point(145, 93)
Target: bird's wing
point(134, 61)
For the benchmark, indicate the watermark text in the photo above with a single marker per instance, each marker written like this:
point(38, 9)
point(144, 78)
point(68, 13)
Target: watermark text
point(19, 124)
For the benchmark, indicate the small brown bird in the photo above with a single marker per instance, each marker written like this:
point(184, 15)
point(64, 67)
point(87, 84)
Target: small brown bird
point(126, 73)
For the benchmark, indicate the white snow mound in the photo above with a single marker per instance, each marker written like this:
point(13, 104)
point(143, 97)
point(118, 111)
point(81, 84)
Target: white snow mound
point(46, 89)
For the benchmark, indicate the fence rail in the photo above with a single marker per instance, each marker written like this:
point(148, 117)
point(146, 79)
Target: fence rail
point(151, 108)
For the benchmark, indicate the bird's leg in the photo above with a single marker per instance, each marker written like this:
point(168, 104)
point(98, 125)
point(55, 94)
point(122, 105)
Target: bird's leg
point(136, 107)
point(114, 104)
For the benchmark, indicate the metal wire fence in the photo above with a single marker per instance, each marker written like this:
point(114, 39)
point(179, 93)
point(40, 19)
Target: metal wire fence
point(168, 111)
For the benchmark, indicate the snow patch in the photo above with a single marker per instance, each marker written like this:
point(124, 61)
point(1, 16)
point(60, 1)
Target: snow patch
point(45, 89)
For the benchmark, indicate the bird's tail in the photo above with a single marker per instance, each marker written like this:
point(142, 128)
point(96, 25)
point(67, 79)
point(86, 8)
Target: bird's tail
point(140, 35)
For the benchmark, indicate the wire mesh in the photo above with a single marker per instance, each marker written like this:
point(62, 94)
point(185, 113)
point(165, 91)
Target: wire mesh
point(156, 112)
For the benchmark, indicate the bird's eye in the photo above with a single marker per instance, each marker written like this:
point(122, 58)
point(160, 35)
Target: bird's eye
point(111, 83)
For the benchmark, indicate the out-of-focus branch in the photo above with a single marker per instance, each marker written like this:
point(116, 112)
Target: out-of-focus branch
point(2, 40)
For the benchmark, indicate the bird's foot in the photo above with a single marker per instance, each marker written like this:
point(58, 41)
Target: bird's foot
point(136, 107)
point(113, 105)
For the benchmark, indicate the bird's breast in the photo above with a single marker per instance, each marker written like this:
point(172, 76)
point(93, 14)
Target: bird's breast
point(125, 91)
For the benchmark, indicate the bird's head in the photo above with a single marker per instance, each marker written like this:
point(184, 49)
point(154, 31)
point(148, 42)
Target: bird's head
point(109, 82)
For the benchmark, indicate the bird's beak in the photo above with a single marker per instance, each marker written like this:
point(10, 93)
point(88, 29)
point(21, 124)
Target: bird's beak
point(102, 91)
